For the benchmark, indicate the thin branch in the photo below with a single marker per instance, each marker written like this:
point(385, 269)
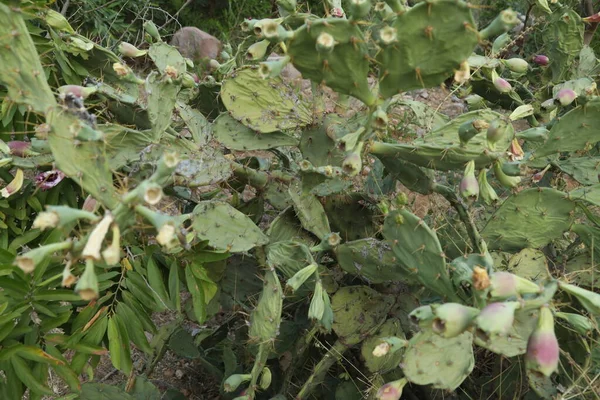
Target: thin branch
point(187, 3)
point(65, 7)
point(590, 30)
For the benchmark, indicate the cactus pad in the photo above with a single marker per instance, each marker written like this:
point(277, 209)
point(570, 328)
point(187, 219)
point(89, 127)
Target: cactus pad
point(418, 249)
point(529, 264)
point(319, 148)
point(225, 227)
point(357, 312)
point(515, 342)
point(585, 170)
point(353, 216)
point(345, 68)
point(432, 40)
point(433, 360)
point(203, 168)
point(263, 105)
point(531, 218)
point(266, 318)
point(236, 136)
point(390, 328)
point(310, 212)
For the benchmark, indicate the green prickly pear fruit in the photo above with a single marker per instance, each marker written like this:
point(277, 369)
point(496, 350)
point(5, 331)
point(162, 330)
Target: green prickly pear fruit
point(517, 65)
point(77, 91)
point(388, 35)
point(502, 85)
point(469, 188)
point(96, 238)
point(452, 319)
point(59, 216)
point(359, 8)
point(188, 81)
point(566, 96)
point(272, 69)
point(541, 60)
point(589, 300)
point(401, 199)
point(301, 276)
point(87, 285)
point(325, 43)
point(542, 347)
point(500, 43)
point(352, 163)
point(112, 254)
point(389, 345)
point(469, 129)
point(129, 50)
point(579, 323)
point(288, 5)
point(502, 23)
point(486, 191)
point(496, 318)
point(538, 134)
point(317, 305)
point(475, 102)
point(391, 390)
point(422, 316)
point(521, 112)
point(265, 378)
point(267, 28)
point(380, 119)
point(234, 381)
point(57, 21)
point(495, 132)
point(29, 260)
point(152, 30)
point(257, 50)
point(384, 11)
point(505, 285)
point(505, 180)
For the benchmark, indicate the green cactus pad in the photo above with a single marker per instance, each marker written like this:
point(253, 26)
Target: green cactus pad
point(357, 312)
point(236, 136)
point(563, 39)
point(415, 178)
point(159, 100)
point(529, 264)
point(390, 328)
point(433, 360)
point(286, 226)
point(353, 216)
point(585, 170)
point(589, 194)
point(441, 148)
point(542, 385)
point(372, 260)
point(345, 68)
point(196, 123)
point(576, 130)
point(320, 149)
point(165, 56)
point(418, 249)
point(240, 282)
point(433, 39)
point(310, 212)
point(266, 318)
point(531, 218)
point(263, 105)
point(207, 167)
point(225, 227)
point(515, 342)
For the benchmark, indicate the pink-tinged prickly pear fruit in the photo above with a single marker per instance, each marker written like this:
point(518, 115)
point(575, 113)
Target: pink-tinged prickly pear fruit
point(538, 176)
point(502, 85)
point(505, 285)
point(566, 96)
point(452, 319)
point(20, 148)
point(391, 390)
point(541, 59)
point(517, 65)
point(497, 318)
point(542, 348)
point(129, 50)
point(469, 188)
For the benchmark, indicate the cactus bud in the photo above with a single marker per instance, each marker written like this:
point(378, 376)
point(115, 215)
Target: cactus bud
point(500, 44)
point(502, 85)
point(317, 305)
point(463, 74)
point(391, 390)
point(152, 30)
point(542, 348)
point(388, 35)
point(257, 50)
point(301, 276)
point(272, 69)
point(452, 319)
point(214, 65)
point(517, 65)
point(87, 285)
point(234, 381)
point(359, 8)
point(496, 318)
point(14, 186)
point(401, 199)
point(502, 23)
point(57, 21)
point(486, 191)
point(325, 43)
point(421, 315)
point(77, 91)
point(579, 323)
point(129, 50)
point(515, 151)
point(588, 299)
point(541, 60)
point(521, 112)
point(59, 216)
point(505, 180)
point(68, 279)
point(112, 254)
point(29, 260)
point(265, 378)
point(94, 242)
point(469, 188)
point(505, 285)
point(566, 96)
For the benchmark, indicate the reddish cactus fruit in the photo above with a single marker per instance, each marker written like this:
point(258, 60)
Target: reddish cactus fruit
point(542, 348)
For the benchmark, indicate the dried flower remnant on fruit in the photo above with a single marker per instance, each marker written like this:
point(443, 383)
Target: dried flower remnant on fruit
point(481, 279)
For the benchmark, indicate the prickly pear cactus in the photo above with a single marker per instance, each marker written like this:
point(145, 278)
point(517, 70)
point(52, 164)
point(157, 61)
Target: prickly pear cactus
point(236, 136)
point(390, 361)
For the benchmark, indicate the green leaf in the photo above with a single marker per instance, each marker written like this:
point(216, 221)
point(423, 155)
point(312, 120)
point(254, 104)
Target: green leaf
point(134, 327)
point(26, 376)
point(156, 280)
point(174, 284)
point(143, 389)
point(100, 391)
point(118, 344)
point(210, 288)
point(198, 297)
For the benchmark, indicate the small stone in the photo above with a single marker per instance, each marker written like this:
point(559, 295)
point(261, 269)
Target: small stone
point(179, 374)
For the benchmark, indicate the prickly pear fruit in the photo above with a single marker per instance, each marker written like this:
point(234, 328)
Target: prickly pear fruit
point(287, 5)
point(257, 50)
point(496, 318)
point(96, 237)
point(391, 390)
point(542, 348)
point(272, 69)
point(589, 300)
point(317, 305)
point(502, 85)
point(566, 96)
point(129, 50)
point(469, 188)
point(541, 60)
point(582, 325)
point(265, 378)
point(521, 112)
point(58, 21)
point(352, 164)
point(358, 8)
point(234, 381)
point(505, 285)
point(505, 180)
point(517, 65)
point(58, 216)
point(421, 315)
point(486, 191)
point(502, 23)
point(475, 102)
point(152, 30)
point(388, 35)
point(452, 319)
point(87, 285)
point(29, 260)
point(301, 276)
